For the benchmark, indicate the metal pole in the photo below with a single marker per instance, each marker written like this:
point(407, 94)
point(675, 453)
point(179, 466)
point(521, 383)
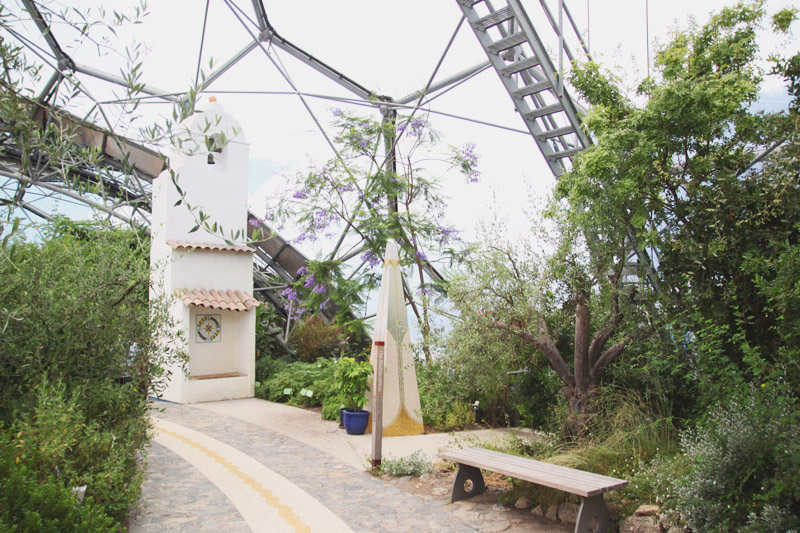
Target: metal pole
point(560, 47)
point(377, 406)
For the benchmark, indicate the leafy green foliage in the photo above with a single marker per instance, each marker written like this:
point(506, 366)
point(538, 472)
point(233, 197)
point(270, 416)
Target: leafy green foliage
point(351, 381)
point(81, 353)
point(76, 306)
point(270, 344)
point(30, 505)
point(679, 179)
point(90, 439)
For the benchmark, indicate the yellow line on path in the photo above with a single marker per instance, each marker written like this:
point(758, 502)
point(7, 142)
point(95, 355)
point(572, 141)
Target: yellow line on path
point(284, 511)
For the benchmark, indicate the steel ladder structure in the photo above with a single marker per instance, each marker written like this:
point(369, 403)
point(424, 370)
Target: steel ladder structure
point(521, 60)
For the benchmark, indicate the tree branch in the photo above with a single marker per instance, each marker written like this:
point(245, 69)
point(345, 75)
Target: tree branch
point(608, 357)
point(602, 335)
point(544, 343)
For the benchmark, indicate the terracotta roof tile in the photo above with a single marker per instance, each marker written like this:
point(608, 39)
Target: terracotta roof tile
point(185, 245)
point(214, 299)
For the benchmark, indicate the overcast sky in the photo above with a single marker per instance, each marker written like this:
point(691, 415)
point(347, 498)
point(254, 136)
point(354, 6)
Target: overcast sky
point(391, 48)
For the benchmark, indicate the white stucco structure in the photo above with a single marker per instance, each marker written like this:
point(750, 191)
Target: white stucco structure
point(212, 279)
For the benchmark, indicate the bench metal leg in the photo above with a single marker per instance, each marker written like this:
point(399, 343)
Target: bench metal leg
point(593, 509)
point(467, 473)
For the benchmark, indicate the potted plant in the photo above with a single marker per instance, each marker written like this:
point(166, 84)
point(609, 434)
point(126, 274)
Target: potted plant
point(351, 383)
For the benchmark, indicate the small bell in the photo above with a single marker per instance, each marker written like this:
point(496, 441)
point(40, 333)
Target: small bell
point(210, 158)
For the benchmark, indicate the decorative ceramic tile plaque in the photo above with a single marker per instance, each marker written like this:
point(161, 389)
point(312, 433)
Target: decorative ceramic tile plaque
point(209, 328)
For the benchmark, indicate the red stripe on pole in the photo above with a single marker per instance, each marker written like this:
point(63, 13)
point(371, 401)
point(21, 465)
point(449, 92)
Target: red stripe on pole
point(379, 343)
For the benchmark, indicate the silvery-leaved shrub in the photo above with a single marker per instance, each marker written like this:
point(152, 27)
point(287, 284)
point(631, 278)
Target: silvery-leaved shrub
point(415, 464)
point(745, 465)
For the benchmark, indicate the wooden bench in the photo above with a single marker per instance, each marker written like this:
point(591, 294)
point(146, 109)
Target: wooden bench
point(590, 487)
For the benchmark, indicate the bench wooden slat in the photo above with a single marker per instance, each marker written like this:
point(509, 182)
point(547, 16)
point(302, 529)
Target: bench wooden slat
point(525, 467)
point(585, 484)
point(536, 467)
point(580, 482)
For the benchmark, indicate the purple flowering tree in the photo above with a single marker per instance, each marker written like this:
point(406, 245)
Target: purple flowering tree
point(378, 187)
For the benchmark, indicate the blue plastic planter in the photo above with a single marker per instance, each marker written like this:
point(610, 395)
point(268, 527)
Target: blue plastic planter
point(355, 422)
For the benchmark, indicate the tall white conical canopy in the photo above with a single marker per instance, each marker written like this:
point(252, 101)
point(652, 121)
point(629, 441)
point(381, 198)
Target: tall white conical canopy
point(402, 414)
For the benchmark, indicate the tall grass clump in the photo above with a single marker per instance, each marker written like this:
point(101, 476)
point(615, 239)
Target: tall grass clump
point(626, 437)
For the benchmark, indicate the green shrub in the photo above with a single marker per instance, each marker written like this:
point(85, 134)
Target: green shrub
point(266, 367)
point(331, 406)
point(61, 436)
point(744, 464)
point(28, 504)
point(415, 464)
point(459, 416)
point(297, 377)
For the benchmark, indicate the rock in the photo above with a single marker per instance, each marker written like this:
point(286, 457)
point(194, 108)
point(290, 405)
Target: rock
point(522, 503)
point(568, 512)
point(495, 526)
point(552, 513)
point(614, 509)
point(640, 524)
point(500, 508)
point(424, 477)
point(538, 511)
point(647, 510)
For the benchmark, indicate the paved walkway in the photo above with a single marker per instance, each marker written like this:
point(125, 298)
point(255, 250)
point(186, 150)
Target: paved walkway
point(230, 466)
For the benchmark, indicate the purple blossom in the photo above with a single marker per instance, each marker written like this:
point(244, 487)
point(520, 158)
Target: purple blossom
point(336, 112)
point(417, 127)
point(302, 270)
point(255, 222)
point(323, 305)
point(446, 234)
point(297, 314)
point(371, 258)
point(426, 291)
point(319, 288)
point(468, 153)
point(291, 294)
point(420, 255)
point(467, 159)
point(362, 143)
point(305, 236)
point(299, 195)
point(309, 282)
point(321, 219)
